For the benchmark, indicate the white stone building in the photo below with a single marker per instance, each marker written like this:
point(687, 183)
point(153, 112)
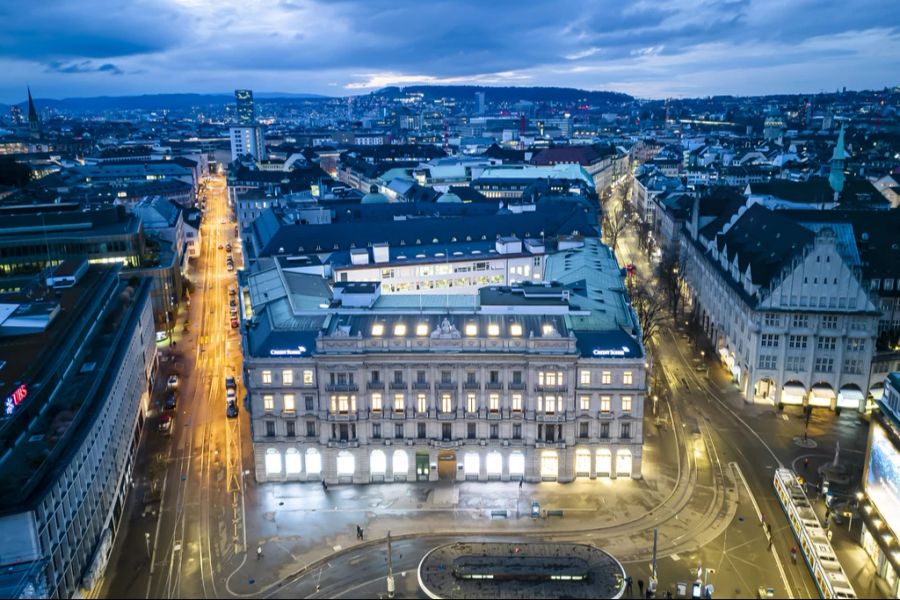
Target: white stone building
point(535, 381)
point(784, 306)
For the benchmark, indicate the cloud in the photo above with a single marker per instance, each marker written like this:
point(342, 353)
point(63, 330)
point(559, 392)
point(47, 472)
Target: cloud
point(85, 66)
point(683, 46)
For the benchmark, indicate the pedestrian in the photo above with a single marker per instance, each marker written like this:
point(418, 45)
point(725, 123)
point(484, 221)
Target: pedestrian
point(628, 585)
point(640, 587)
point(259, 552)
point(829, 534)
point(806, 463)
point(794, 554)
point(669, 594)
point(770, 545)
point(361, 533)
point(324, 486)
point(358, 532)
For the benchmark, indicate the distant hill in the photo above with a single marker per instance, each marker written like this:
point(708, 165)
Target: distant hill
point(514, 93)
point(157, 101)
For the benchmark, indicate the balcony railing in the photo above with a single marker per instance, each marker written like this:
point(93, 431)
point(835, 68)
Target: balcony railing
point(517, 385)
point(341, 387)
point(421, 385)
point(446, 385)
point(375, 385)
point(398, 385)
point(494, 385)
point(551, 388)
point(471, 385)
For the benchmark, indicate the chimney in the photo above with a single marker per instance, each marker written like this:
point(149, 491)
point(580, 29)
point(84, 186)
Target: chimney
point(381, 252)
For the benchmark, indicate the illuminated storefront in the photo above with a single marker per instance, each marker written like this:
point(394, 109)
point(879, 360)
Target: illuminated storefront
point(880, 508)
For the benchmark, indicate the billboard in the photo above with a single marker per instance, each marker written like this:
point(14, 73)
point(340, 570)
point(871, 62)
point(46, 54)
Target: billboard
point(883, 477)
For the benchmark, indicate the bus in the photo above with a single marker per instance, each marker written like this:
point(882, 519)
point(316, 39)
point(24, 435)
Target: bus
point(812, 539)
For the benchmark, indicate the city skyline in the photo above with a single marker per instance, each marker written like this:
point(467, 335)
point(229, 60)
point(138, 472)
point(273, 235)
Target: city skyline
point(338, 49)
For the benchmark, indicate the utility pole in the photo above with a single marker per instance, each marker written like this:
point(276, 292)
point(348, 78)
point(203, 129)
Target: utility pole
point(390, 575)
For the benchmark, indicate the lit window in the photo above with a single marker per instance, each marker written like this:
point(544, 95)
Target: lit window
point(287, 377)
point(626, 404)
point(547, 329)
point(515, 330)
point(627, 379)
point(493, 330)
point(267, 376)
point(605, 404)
point(399, 329)
point(421, 403)
point(471, 329)
point(268, 402)
point(399, 404)
point(471, 403)
point(446, 403)
point(376, 402)
point(606, 377)
point(422, 329)
point(377, 329)
point(289, 404)
point(516, 402)
point(585, 377)
point(585, 402)
point(307, 377)
point(494, 402)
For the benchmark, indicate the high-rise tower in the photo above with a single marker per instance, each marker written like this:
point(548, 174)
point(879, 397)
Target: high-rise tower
point(245, 109)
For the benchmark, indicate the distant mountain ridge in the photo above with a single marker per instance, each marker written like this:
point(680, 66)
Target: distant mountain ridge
point(155, 101)
point(513, 93)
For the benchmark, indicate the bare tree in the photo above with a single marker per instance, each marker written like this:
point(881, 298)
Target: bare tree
point(613, 225)
point(650, 310)
point(670, 273)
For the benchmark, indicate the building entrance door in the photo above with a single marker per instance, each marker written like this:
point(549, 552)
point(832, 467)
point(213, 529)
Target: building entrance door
point(447, 464)
point(422, 466)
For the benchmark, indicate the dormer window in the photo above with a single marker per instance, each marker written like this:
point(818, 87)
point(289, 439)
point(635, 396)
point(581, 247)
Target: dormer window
point(399, 330)
point(422, 329)
point(515, 330)
point(377, 329)
point(471, 329)
point(493, 330)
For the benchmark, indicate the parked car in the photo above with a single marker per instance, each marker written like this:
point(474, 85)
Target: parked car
point(232, 302)
point(171, 401)
point(231, 411)
point(172, 382)
point(230, 383)
point(166, 424)
point(227, 247)
point(221, 246)
point(232, 291)
point(234, 323)
point(230, 266)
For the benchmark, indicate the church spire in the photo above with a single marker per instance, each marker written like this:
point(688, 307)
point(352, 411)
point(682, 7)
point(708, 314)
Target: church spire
point(836, 176)
point(34, 122)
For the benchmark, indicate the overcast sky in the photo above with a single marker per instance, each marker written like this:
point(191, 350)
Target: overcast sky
point(653, 48)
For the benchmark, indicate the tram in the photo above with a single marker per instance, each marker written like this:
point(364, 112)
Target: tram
point(812, 540)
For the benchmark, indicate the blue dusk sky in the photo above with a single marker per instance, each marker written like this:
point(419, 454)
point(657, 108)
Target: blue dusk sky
point(658, 48)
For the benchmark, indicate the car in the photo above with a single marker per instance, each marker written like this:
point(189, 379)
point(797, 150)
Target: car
point(222, 221)
point(172, 382)
point(230, 394)
point(227, 247)
point(232, 303)
point(171, 401)
point(231, 411)
point(166, 424)
point(230, 383)
point(234, 323)
point(232, 291)
point(233, 311)
point(221, 246)
point(230, 267)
